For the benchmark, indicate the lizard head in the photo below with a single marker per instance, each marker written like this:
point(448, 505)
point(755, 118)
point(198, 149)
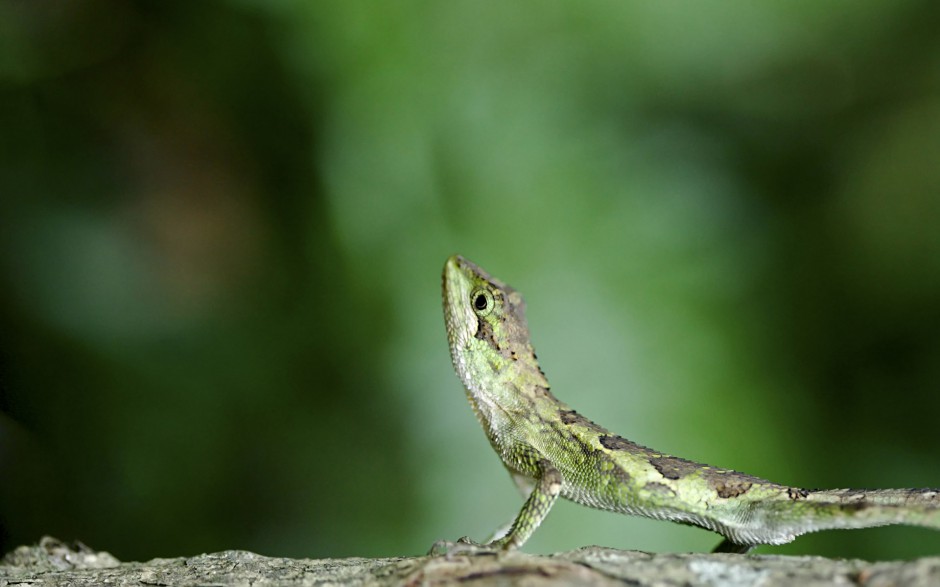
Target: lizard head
point(487, 331)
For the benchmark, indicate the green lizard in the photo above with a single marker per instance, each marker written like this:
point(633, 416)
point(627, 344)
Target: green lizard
point(551, 450)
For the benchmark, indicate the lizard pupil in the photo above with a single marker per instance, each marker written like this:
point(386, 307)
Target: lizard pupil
point(480, 302)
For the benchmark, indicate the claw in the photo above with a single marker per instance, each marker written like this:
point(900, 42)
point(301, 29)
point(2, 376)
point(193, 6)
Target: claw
point(462, 547)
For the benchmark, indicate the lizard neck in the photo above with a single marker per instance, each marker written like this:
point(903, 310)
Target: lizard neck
point(503, 377)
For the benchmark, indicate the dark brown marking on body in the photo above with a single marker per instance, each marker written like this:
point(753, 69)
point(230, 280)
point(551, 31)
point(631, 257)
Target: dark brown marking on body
point(728, 483)
point(485, 333)
point(613, 442)
point(570, 438)
point(571, 417)
point(616, 471)
point(586, 449)
point(731, 487)
point(674, 467)
point(795, 493)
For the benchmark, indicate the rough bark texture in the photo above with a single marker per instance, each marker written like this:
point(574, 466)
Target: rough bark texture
point(55, 563)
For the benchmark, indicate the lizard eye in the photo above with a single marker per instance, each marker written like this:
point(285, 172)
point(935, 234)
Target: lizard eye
point(482, 301)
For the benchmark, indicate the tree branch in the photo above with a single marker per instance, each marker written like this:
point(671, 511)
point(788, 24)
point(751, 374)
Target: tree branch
point(54, 563)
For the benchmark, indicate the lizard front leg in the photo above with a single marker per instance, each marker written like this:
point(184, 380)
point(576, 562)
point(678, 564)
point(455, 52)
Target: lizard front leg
point(542, 495)
point(525, 486)
point(536, 507)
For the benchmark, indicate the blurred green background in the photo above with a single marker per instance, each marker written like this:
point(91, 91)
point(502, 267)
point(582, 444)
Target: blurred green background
point(222, 226)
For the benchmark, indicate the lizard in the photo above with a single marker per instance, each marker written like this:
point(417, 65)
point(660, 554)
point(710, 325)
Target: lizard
point(552, 451)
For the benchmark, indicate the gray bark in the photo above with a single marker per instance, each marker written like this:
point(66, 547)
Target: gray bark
point(54, 563)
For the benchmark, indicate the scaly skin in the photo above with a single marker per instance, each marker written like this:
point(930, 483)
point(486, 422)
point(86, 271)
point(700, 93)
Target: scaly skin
point(550, 450)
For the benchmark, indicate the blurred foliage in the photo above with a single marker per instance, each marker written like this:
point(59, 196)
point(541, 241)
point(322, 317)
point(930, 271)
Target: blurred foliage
point(222, 225)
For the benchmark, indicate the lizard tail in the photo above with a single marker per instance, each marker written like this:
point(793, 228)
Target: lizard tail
point(859, 508)
point(799, 511)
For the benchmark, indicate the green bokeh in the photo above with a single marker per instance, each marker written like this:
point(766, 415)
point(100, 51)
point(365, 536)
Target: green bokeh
point(222, 226)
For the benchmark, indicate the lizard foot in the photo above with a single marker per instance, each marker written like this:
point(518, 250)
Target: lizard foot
point(463, 546)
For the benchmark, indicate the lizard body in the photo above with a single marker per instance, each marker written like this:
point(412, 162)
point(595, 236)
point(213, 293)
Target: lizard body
point(551, 450)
